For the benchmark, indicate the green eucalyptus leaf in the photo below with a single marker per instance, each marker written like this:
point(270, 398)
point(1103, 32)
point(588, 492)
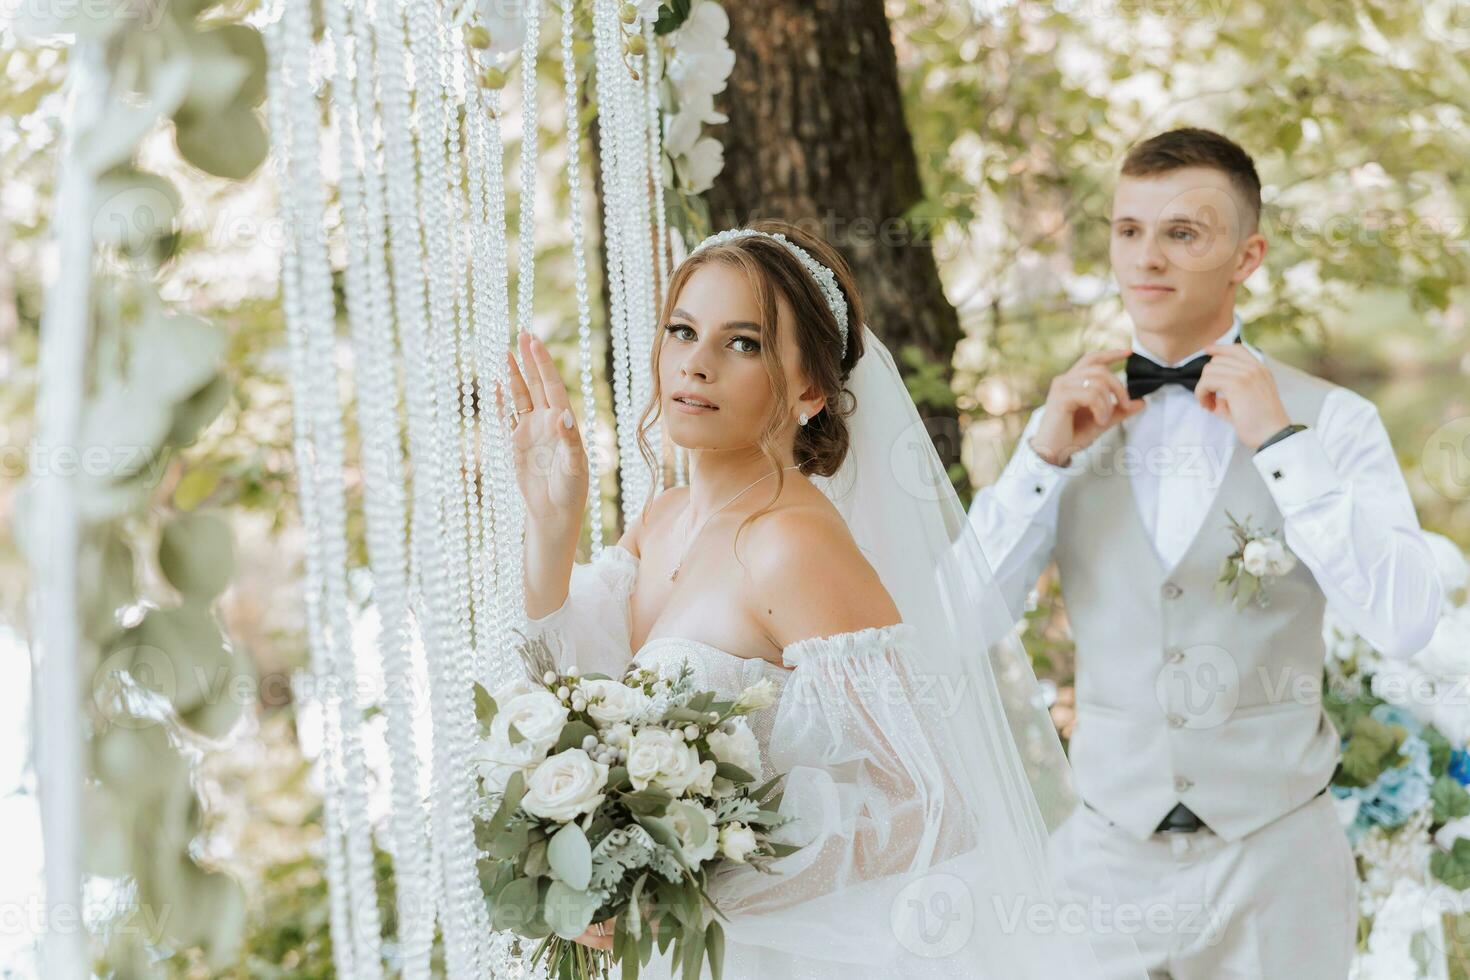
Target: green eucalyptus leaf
point(569, 910)
point(230, 143)
point(133, 211)
point(197, 555)
point(515, 905)
point(184, 654)
point(571, 857)
point(192, 415)
point(173, 357)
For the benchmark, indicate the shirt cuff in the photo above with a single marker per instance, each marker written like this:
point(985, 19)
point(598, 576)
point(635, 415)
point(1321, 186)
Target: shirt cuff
point(1296, 470)
point(1030, 483)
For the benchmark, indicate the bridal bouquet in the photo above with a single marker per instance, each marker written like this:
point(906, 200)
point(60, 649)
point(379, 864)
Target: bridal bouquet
point(618, 797)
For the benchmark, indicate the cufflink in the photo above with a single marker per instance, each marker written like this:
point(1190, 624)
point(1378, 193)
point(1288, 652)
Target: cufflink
point(1275, 474)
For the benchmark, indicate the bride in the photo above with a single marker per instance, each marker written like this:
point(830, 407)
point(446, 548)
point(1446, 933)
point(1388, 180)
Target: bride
point(820, 544)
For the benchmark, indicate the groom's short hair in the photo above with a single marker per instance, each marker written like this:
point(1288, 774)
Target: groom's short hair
point(1189, 147)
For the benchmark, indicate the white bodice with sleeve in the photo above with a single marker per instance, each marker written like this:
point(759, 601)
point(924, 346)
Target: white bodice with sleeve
point(883, 886)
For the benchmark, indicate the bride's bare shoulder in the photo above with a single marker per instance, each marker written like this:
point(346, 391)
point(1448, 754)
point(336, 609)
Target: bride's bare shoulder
point(665, 502)
point(807, 576)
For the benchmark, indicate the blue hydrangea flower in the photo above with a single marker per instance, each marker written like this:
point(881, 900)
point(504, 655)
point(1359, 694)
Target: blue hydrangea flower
point(1460, 766)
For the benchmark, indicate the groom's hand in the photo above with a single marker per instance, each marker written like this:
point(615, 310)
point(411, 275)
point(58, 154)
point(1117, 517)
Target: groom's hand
point(1081, 405)
point(1242, 391)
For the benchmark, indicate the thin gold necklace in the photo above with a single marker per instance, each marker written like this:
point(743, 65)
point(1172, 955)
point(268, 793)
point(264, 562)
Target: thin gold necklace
point(690, 543)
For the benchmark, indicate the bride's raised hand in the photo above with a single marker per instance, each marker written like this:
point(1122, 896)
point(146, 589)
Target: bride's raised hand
point(550, 460)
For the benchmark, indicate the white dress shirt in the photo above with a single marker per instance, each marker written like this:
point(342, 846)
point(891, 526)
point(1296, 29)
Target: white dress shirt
point(1346, 510)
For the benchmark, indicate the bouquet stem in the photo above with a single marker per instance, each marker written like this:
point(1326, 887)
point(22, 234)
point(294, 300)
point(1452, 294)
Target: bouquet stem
point(568, 960)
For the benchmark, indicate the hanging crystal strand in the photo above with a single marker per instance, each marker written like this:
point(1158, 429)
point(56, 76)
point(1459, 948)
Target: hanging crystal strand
point(640, 191)
point(499, 595)
point(530, 149)
point(443, 549)
point(609, 70)
point(453, 855)
point(651, 80)
point(638, 261)
point(369, 315)
point(464, 362)
point(338, 894)
point(591, 427)
point(318, 391)
point(504, 535)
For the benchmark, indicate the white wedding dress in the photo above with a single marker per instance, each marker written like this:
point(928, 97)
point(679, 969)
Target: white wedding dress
point(921, 766)
point(880, 888)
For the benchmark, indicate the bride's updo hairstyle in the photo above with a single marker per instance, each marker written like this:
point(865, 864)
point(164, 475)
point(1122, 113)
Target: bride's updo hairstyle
point(772, 271)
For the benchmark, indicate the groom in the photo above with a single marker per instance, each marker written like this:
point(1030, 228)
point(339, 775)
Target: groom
point(1201, 749)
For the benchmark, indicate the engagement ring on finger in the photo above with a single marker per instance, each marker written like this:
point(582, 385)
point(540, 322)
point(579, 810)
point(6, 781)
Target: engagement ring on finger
point(599, 929)
point(1087, 382)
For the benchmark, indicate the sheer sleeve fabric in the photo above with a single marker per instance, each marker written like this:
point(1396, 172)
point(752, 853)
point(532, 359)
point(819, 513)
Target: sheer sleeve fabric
point(874, 803)
point(591, 628)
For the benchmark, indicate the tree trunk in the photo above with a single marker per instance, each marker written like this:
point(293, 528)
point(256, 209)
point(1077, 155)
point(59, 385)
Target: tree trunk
point(817, 137)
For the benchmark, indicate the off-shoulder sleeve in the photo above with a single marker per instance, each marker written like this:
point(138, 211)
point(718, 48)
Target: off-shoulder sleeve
point(873, 801)
point(591, 627)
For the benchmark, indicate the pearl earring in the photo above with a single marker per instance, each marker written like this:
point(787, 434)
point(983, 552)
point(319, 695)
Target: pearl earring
point(802, 419)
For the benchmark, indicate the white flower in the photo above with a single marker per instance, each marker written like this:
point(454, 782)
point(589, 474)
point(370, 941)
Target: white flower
point(538, 718)
point(738, 747)
point(1253, 558)
point(537, 715)
point(1448, 652)
point(761, 694)
point(565, 786)
point(704, 783)
point(698, 168)
point(1279, 561)
point(655, 757)
point(506, 22)
point(736, 841)
point(1446, 836)
point(683, 817)
point(610, 702)
point(682, 127)
point(495, 760)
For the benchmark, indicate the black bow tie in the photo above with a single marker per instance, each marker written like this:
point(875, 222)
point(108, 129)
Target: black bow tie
point(1146, 375)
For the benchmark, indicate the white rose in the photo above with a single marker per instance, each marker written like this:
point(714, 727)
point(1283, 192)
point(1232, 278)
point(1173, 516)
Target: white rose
point(565, 786)
point(704, 783)
point(538, 716)
point(683, 817)
point(1255, 557)
point(611, 702)
point(738, 747)
point(761, 694)
point(655, 757)
point(495, 759)
point(1448, 652)
point(1279, 561)
point(736, 841)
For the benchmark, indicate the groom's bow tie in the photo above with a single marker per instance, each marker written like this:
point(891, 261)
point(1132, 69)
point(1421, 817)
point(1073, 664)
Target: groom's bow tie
point(1146, 375)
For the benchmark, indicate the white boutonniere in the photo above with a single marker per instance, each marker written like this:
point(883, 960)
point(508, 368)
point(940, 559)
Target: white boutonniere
point(1258, 558)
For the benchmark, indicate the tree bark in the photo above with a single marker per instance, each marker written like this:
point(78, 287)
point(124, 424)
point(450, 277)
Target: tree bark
point(817, 136)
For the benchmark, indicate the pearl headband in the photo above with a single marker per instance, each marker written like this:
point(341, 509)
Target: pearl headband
point(826, 281)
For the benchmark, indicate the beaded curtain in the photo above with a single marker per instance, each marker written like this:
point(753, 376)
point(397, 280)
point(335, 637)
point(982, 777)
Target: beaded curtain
point(386, 106)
